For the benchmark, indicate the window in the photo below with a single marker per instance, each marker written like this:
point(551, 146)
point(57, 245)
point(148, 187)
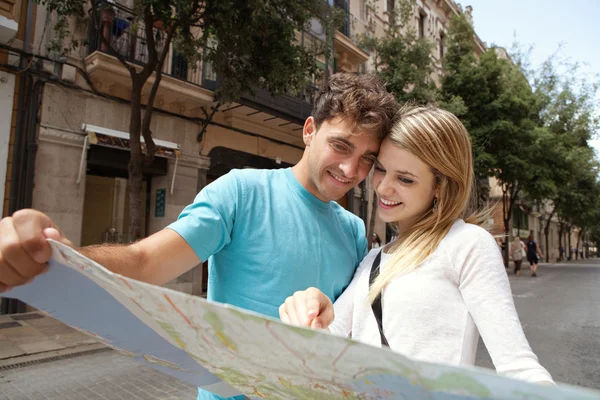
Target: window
point(391, 4)
point(179, 69)
point(422, 21)
point(363, 10)
point(345, 6)
point(442, 45)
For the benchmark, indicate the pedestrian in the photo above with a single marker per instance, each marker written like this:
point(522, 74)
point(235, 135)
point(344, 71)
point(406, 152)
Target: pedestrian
point(562, 252)
point(517, 252)
point(257, 228)
point(532, 254)
point(442, 283)
point(375, 241)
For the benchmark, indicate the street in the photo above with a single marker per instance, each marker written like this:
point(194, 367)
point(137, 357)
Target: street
point(560, 313)
point(559, 310)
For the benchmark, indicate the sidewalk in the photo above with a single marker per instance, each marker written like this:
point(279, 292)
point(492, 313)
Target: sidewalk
point(564, 263)
point(33, 336)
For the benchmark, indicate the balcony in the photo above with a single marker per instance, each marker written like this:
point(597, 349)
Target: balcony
point(184, 88)
point(348, 54)
point(287, 107)
point(9, 19)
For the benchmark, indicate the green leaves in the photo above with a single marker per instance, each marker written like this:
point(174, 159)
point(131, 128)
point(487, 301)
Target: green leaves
point(402, 59)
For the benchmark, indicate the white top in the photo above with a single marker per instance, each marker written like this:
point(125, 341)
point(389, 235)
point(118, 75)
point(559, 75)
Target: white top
point(436, 312)
point(517, 250)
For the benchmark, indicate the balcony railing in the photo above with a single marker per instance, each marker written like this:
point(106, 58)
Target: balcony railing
point(118, 28)
point(344, 5)
point(351, 26)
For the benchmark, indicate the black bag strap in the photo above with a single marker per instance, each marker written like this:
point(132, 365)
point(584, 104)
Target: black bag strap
point(376, 306)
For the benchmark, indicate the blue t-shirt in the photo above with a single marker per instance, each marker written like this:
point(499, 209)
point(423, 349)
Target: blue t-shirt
point(265, 237)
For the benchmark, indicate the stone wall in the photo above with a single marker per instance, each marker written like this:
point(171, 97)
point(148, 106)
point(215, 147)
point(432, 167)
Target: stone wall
point(61, 140)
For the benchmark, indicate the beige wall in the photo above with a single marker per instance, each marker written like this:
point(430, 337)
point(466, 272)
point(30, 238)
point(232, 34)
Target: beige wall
point(217, 136)
point(56, 191)
point(184, 190)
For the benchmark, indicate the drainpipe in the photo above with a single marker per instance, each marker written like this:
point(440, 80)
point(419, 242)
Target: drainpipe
point(32, 145)
point(12, 306)
point(19, 151)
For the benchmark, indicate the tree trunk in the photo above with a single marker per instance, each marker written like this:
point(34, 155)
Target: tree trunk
point(569, 238)
point(507, 203)
point(136, 162)
point(547, 240)
point(546, 232)
point(578, 242)
point(372, 221)
point(560, 239)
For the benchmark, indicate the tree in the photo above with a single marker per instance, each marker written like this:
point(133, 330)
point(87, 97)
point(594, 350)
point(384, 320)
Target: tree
point(569, 118)
point(498, 109)
point(249, 45)
point(463, 89)
point(401, 58)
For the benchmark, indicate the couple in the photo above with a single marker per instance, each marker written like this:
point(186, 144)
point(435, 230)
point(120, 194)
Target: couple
point(271, 233)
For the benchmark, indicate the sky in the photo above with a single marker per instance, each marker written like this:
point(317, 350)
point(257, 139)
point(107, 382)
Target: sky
point(574, 25)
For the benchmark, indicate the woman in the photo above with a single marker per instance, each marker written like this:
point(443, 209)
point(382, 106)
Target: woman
point(517, 250)
point(442, 282)
point(532, 254)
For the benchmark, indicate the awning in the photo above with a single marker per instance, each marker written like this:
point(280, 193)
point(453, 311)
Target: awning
point(120, 140)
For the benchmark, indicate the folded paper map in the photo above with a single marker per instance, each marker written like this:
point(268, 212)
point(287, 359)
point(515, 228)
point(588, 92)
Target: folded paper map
point(230, 351)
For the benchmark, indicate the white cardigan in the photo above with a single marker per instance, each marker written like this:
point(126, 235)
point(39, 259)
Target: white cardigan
point(436, 312)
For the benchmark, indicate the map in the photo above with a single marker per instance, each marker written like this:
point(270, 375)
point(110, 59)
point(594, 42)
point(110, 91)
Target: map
point(230, 351)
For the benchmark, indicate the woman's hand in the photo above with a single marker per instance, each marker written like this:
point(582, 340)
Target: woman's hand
point(309, 308)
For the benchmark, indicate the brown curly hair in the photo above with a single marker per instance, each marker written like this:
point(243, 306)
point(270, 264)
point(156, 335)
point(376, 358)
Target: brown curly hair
point(361, 100)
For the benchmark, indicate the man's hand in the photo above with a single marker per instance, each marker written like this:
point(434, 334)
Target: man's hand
point(309, 308)
point(24, 251)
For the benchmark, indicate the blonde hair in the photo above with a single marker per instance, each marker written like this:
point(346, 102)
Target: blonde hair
point(441, 141)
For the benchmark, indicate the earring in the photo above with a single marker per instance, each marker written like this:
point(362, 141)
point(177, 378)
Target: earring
point(435, 201)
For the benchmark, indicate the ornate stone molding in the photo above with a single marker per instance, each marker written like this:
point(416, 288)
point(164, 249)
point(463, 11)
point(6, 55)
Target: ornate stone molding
point(194, 161)
point(61, 137)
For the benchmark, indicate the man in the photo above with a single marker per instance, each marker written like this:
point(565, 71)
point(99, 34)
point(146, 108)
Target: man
point(266, 233)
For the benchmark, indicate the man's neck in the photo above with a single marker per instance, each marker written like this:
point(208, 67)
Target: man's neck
point(302, 174)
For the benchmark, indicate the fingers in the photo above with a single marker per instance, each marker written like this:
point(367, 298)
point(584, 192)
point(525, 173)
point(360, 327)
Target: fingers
point(24, 251)
point(301, 306)
point(293, 310)
point(309, 308)
point(29, 225)
point(55, 234)
point(283, 315)
point(290, 309)
point(313, 302)
point(16, 265)
point(317, 300)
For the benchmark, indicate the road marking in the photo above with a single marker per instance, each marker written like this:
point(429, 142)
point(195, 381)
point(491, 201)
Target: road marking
point(523, 295)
